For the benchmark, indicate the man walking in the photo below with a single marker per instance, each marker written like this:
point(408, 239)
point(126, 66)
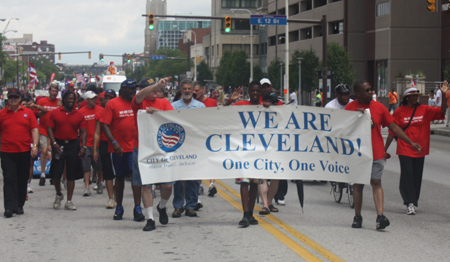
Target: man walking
point(342, 97)
point(18, 128)
point(190, 194)
point(393, 99)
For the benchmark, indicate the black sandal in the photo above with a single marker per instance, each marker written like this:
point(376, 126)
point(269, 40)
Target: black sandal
point(273, 209)
point(264, 211)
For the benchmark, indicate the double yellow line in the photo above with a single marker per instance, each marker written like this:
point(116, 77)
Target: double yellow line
point(283, 237)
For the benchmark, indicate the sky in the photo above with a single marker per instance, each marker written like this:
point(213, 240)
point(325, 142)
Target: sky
point(99, 26)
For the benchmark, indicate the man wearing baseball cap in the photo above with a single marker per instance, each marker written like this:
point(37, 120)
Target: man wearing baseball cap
point(89, 112)
point(342, 97)
point(18, 128)
point(267, 87)
point(119, 127)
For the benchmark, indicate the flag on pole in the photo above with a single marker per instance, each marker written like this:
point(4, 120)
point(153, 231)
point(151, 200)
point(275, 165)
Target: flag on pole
point(80, 78)
point(413, 84)
point(66, 82)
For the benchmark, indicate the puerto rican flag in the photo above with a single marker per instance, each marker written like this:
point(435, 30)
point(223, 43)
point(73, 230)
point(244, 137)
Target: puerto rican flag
point(32, 73)
point(413, 84)
point(80, 78)
point(66, 82)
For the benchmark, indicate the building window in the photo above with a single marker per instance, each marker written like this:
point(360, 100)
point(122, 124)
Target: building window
point(382, 77)
point(281, 39)
point(319, 3)
point(239, 3)
point(272, 41)
point(383, 9)
point(294, 36)
point(306, 33)
point(317, 32)
point(294, 9)
point(305, 5)
point(336, 27)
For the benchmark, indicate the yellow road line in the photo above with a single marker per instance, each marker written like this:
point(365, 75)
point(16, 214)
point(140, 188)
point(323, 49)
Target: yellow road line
point(309, 242)
point(294, 246)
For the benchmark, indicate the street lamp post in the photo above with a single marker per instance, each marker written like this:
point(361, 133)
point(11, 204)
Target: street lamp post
point(281, 75)
point(299, 59)
point(195, 49)
point(251, 42)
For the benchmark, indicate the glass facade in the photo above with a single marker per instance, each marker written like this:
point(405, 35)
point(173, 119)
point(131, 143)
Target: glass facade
point(382, 78)
point(169, 31)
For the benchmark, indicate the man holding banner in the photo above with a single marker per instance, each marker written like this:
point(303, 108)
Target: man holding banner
point(190, 193)
point(147, 99)
point(380, 117)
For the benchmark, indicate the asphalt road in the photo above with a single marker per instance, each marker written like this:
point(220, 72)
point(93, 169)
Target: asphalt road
point(321, 233)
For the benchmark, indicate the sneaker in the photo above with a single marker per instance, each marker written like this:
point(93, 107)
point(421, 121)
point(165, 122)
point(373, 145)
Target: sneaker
point(163, 218)
point(70, 206)
point(29, 190)
point(150, 225)
point(281, 202)
point(64, 182)
point(110, 204)
point(87, 192)
point(137, 213)
point(212, 190)
point(119, 213)
point(411, 209)
point(8, 213)
point(100, 188)
point(200, 190)
point(20, 211)
point(95, 187)
point(57, 203)
point(42, 181)
point(357, 221)
point(198, 206)
point(382, 222)
point(245, 222)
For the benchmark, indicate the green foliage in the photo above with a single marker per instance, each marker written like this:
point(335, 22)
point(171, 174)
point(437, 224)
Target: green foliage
point(224, 72)
point(45, 69)
point(446, 73)
point(340, 64)
point(203, 72)
point(10, 67)
point(273, 72)
point(310, 65)
point(233, 70)
point(258, 73)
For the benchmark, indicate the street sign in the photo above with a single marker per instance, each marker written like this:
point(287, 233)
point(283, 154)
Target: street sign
point(189, 74)
point(268, 20)
point(157, 57)
point(445, 7)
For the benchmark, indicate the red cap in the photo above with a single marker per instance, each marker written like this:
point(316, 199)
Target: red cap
point(102, 95)
point(111, 63)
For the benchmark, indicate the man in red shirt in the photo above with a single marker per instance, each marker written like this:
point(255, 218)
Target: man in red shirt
point(380, 117)
point(119, 127)
point(147, 99)
point(49, 103)
point(102, 141)
point(89, 112)
point(18, 127)
point(63, 125)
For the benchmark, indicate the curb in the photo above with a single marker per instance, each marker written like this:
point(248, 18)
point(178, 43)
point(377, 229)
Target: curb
point(440, 132)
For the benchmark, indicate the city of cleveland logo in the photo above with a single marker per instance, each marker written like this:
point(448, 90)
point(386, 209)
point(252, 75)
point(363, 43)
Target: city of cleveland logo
point(170, 137)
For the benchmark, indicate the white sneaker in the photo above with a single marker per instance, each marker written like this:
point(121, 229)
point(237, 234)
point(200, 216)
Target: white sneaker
point(96, 187)
point(87, 192)
point(29, 190)
point(281, 202)
point(110, 204)
point(411, 209)
point(70, 206)
point(100, 188)
point(57, 203)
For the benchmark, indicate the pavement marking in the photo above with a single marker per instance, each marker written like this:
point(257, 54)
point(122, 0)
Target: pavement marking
point(309, 242)
point(294, 246)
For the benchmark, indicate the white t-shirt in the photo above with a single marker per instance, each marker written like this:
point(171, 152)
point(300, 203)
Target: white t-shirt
point(335, 104)
point(438, 97)
point(293, 96)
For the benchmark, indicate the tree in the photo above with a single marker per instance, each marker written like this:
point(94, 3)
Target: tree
point(45, 69)
point(224, 71)
point(240, 69)
point(203, 72)
point(310, 65)
point(447, 73)
point(258, 73)
point(273, 72)
point(340, 64)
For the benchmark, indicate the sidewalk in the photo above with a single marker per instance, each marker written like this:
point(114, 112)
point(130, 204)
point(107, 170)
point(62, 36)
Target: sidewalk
point(440, 129)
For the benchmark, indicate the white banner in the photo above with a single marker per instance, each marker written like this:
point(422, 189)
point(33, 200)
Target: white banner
point(280, 142)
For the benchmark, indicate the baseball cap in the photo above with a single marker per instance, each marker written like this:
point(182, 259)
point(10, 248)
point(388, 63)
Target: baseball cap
point(70, 85)
point(110, 93)
point(265, 81)
point(129, 83)
point(270, 96)
point(146, 82)
point(13, 92)
point(342, 88)
point(89, 95)
point(102, 94)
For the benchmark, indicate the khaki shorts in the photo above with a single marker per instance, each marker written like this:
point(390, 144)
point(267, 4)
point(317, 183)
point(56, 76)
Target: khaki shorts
point(43, 142)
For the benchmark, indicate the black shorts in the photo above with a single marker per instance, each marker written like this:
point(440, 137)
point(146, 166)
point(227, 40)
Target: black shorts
point(105, 157)
point(70, 158)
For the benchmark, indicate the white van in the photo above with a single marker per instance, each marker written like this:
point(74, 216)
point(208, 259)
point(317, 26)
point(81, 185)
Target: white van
point(112, 82)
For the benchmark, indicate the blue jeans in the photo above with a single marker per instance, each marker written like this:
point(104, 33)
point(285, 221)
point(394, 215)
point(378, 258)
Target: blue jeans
point(191, 194)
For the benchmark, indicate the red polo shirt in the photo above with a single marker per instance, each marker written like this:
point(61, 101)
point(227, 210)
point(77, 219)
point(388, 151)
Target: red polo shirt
point(120, 118)
point(98, 117)
point(158, 103)
point(89, 116)
point(15, 128)
point(65, 124)
point(84, 103)
point(50, 106)
point(209, 102)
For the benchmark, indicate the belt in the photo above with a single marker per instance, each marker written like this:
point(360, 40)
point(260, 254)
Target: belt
point(66, 141)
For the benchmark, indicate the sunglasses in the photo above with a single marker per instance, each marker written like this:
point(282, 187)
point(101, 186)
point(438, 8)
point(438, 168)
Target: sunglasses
point(369, 90)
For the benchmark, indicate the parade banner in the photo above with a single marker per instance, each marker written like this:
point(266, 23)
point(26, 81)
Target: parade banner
point(280, 142)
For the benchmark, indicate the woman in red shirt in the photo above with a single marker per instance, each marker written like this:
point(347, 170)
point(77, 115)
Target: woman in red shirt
point(418, 129)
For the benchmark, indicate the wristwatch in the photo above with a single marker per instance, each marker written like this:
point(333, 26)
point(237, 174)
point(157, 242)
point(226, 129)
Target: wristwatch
point(85, 147)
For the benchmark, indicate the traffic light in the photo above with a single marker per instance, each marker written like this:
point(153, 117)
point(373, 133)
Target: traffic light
point(59, 56)
point(432, 7)
point(101, 57)
point(89, 55)
point(227, 24)
point(151, 21)
point(198, 59)
point(128, 58)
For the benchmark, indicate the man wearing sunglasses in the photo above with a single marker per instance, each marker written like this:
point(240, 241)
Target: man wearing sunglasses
point(380, 117)
point(18, 129)
point(119, 127)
